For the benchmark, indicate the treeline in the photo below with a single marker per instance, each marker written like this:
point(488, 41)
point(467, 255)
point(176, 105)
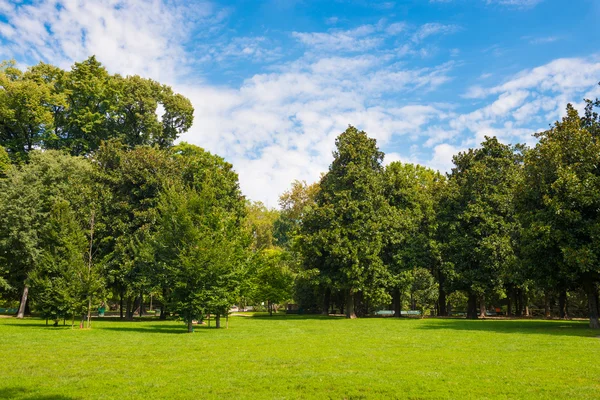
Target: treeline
point(99, 206)
point(509, 225)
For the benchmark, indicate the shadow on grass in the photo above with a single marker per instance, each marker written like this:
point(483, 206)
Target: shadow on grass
point(537, 327)
point(22, 393)
point(282, 316)
point(151, 328)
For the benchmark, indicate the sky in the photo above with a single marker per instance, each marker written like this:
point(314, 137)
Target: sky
point(274, 82)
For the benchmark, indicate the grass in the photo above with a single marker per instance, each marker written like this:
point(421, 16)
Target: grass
point(296, 357)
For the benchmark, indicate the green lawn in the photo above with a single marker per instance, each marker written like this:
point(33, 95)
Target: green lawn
point(301, 357)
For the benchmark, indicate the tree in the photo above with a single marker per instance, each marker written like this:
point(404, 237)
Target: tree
point(202, 246)
point(342, 235)
point(76, 110)
point(411, 223)
point(274, 277)
point(561, 199)
point(56, 280)
point(294, 204)
point(25, 119)
point(27, 197)
point(479, 219)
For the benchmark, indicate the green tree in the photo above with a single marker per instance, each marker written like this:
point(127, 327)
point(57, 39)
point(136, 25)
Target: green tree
point(25, 119)
point(342, 235)
point(79, 109)
point(274, 277)
point(56, 281)
point(561, 199)
point(202, 246)
point(27, 197)
point(479, 219)
point(410, 241)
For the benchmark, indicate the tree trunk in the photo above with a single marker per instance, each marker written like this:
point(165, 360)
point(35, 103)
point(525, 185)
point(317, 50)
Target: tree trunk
point(270, 306)
point(592, 292)
point(89, 312)
point(509, 311)
point(190, 327)
point(227, 321)
point(350, 305)
point(326, 299)
point(397, 303)
point(482, 306)
point(562, 304)
point(518, 304)
point(472, 307)
point(141, 311)
point(526, 304)
point(21, 312)
point(443, 310)
point(217, 321)
point(163, 312)
point(121, 294)
point(129, 313)
point(547, 305)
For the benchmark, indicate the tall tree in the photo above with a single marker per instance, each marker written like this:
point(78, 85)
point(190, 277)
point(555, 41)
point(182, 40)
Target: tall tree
point(561, 200)
point(410, 241)
point(27, 198)
point(479, 218)
point(342, 235)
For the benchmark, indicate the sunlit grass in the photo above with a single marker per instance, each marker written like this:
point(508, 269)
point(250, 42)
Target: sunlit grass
point(300, 357)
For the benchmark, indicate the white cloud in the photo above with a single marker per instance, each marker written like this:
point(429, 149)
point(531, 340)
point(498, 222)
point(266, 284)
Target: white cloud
point(434, 29)
point(133, 37)
point(355, 40)
point(516, 3)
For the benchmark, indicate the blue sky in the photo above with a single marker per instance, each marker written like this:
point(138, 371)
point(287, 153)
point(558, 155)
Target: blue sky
point(274, 82)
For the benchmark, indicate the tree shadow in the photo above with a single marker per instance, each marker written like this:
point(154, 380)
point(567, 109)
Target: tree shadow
point(283, 316)
point(536, 327)
point(22, 393)
point(149, 328)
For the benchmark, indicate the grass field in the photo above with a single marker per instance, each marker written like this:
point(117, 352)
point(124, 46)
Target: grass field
point(301, 357)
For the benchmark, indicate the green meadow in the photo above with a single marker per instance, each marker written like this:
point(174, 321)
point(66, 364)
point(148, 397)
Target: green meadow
point(300, 357)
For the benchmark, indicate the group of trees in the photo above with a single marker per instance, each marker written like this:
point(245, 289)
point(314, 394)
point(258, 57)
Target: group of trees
point(508, 223)
point(97, 204)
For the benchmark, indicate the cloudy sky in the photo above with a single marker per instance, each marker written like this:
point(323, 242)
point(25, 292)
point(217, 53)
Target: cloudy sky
point(274, 82)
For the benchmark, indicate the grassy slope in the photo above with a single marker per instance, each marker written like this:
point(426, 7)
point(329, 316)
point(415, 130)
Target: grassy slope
point(295, 357)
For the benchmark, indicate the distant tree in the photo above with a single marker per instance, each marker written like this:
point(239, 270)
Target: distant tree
point(294, 204)
point(479, 220)
point(260, 222)
point(273, 276)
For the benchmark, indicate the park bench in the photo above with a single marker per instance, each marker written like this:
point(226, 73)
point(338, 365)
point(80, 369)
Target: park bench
point(8, 310)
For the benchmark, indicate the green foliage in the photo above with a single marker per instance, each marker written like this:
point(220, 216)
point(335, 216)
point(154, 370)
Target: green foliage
point(78, 109)
point(560, 201)
point(201, 246)
point(273, 276)
point(27, 198)
point(479, 218)
point(342, 234)
point(4, 162)
point(57, 281)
